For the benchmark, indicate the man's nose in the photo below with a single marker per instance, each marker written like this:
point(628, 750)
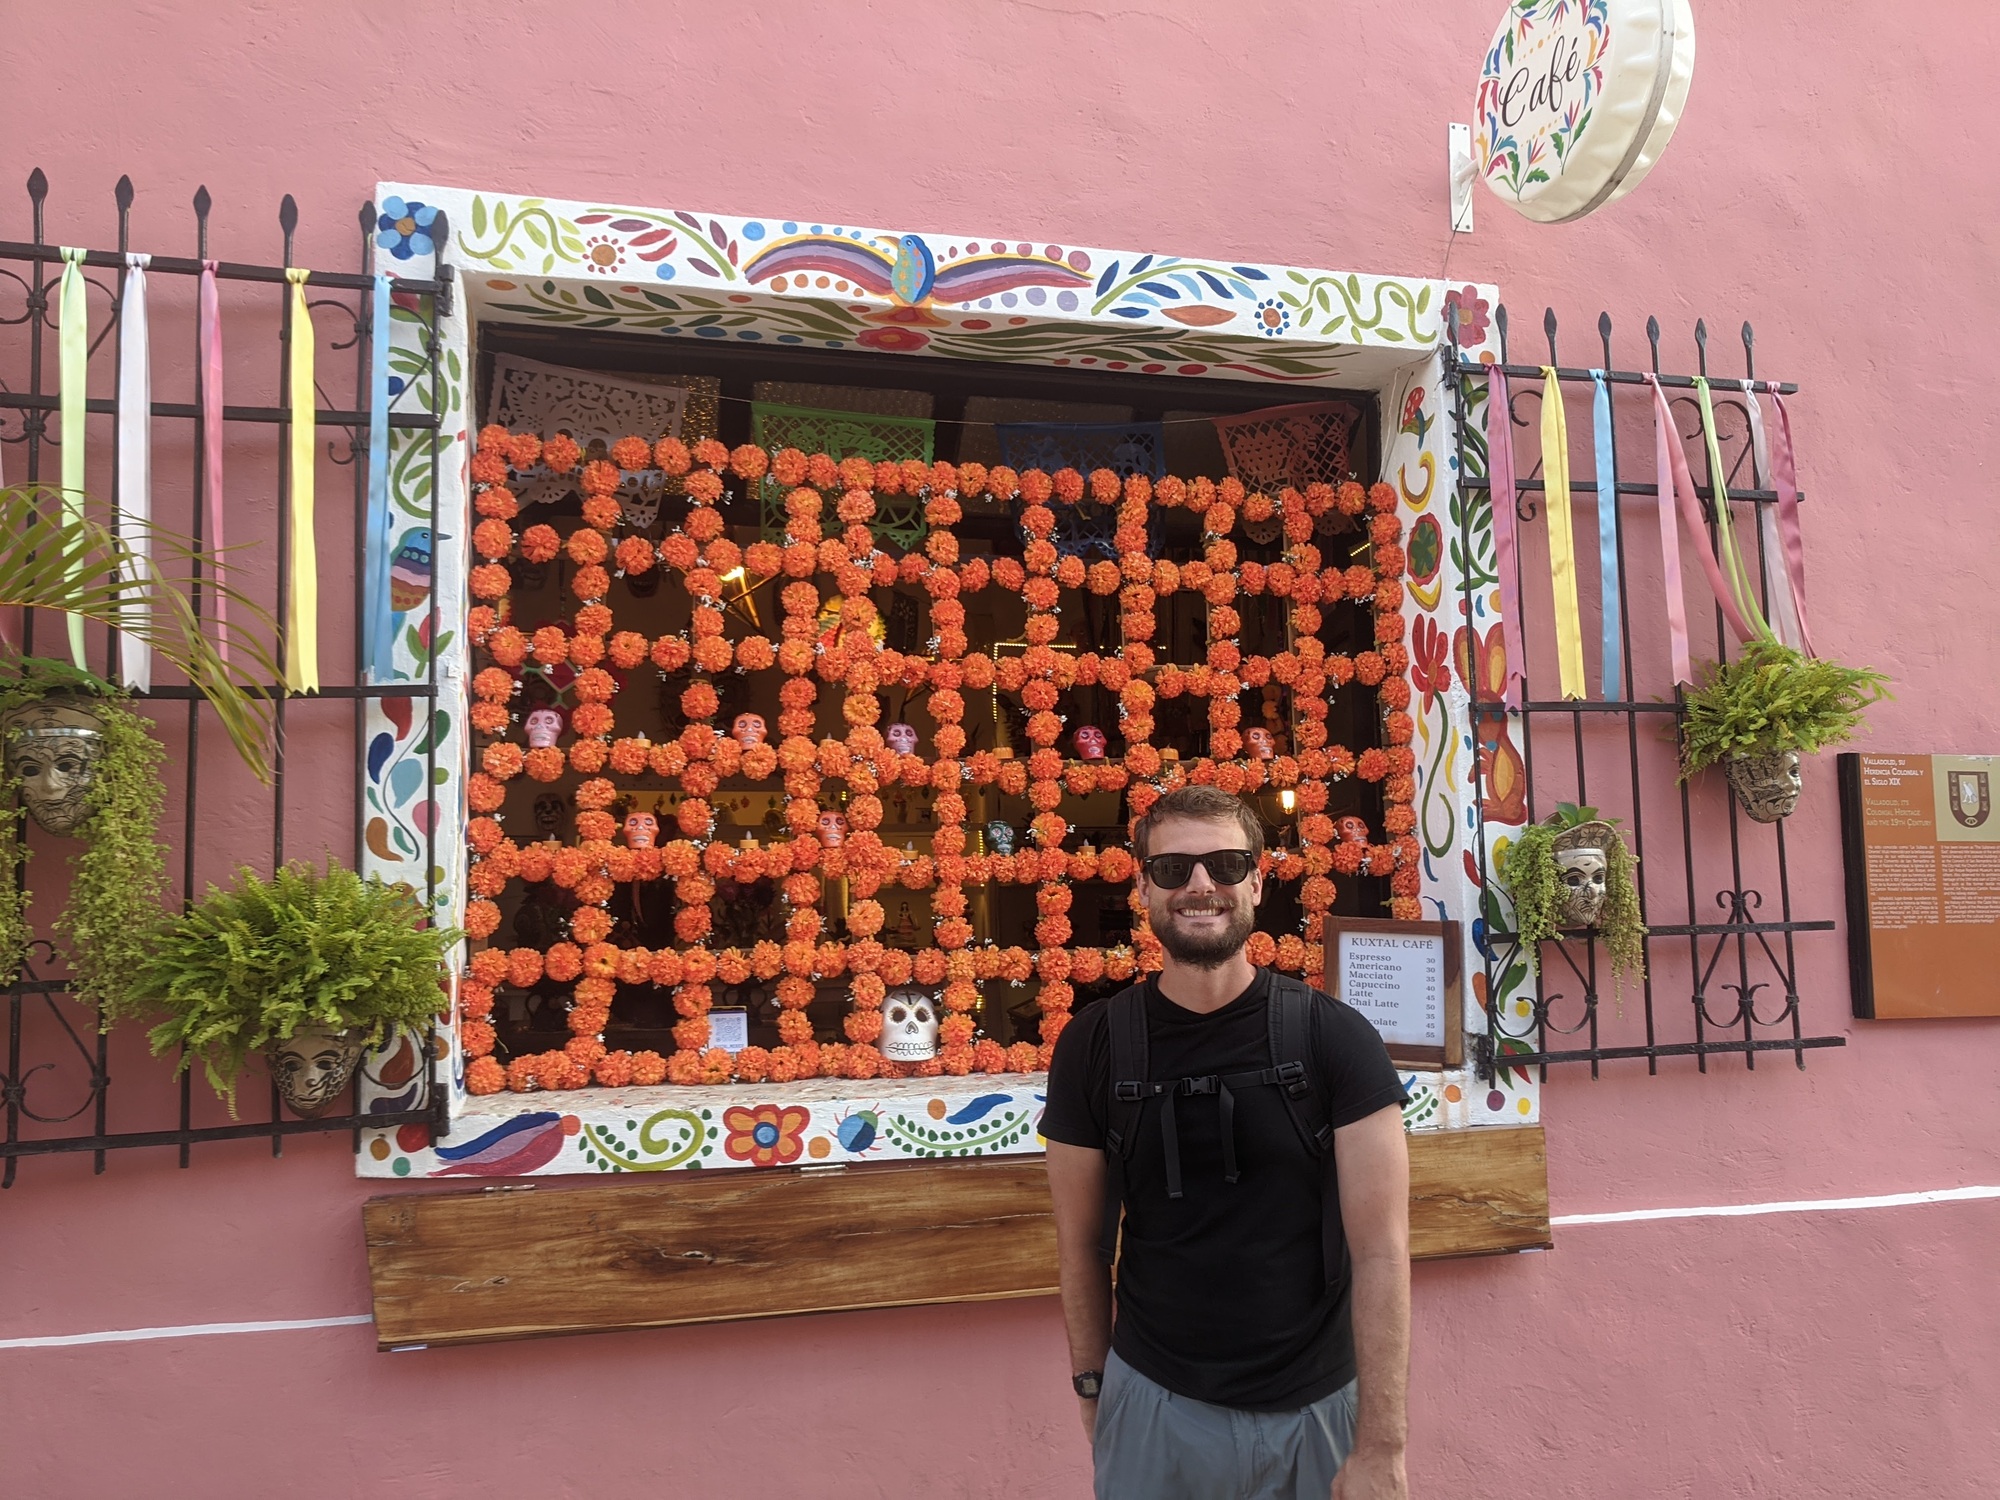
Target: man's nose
point(1199, 880)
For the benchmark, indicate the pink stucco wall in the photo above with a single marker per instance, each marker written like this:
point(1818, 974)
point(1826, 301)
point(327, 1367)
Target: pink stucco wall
point(1826, 184)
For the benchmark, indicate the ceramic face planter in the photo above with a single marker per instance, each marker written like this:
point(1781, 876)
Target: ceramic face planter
point(901, 738)
point(748, 730)
point(1768, 786)
point(1260, 743)
point(313, 1065)
point(1090, 742)
point(832, 829)
point(1000, 836)
point(544, 726)
point(550, 808)
point(1583, 872)
point(909, 1025)
point(53, 746)
point(1352, 830)
point(1582, 855)
point(642, 830)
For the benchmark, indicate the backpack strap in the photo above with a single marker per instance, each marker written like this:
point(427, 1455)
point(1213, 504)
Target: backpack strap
point(1125, 1016)
point(1293, 1036)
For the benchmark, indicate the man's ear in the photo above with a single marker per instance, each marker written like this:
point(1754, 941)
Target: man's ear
point(1257, 887)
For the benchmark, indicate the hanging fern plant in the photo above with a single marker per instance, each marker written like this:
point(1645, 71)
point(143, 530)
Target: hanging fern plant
point(1534, 879)
point(118, 875)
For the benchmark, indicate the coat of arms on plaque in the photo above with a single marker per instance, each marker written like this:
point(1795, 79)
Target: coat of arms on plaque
point(1970, 797)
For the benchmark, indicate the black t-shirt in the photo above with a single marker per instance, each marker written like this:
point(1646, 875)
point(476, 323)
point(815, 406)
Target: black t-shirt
point(1222, 1294)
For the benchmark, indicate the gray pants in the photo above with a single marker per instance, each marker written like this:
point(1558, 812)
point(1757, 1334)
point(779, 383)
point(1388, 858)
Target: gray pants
point(1153, 1445)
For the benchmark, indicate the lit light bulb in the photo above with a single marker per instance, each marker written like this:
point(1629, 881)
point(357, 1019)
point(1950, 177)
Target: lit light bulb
point(1288, 799)
point(734, 574)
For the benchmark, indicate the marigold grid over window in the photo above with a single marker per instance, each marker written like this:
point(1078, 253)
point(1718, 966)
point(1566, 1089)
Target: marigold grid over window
point(829, 505)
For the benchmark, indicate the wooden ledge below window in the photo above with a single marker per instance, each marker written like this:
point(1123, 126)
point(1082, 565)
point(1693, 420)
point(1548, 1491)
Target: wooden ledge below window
point(703, 1247)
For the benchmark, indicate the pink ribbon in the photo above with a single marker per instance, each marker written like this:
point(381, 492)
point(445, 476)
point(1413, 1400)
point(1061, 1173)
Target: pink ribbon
point(1665, 451)
point(211, 423)
point(1673, 462)
point(1500, 490)
point(1785, 480)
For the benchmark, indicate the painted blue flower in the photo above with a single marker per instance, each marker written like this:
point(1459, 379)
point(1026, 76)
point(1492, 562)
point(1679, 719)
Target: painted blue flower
point(405, 228)
point(1273, 317)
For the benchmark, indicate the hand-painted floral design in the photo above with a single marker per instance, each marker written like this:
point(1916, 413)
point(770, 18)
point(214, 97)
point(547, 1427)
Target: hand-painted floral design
point(403, 228)
point(1430, 660)
point(1273, 317)
point(767, 1136)
point(1465, 314)
point(603, 254)
point(894, 338)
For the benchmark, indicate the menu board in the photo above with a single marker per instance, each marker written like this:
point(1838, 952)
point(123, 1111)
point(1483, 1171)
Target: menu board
point(1404, 977)
point(1922, 840)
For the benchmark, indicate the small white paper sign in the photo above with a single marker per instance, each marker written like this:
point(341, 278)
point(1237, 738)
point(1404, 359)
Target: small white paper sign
point(729, 1029)
point(1396, 980)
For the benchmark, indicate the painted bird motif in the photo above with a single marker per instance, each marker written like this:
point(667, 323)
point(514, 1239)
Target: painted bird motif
point(909, 273)
point(410, 571)
point(519, 1146)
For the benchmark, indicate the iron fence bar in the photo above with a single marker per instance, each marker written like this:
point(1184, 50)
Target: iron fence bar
point(1579, 375)
point(270, 415)
point(277, 1129)
point(201, 203)
point(1698, 1050)
point(225, 270)
point(1631, 487)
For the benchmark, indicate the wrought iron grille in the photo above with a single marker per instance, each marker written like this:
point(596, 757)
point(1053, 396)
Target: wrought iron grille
point(1715, 889)
point(57, 1086)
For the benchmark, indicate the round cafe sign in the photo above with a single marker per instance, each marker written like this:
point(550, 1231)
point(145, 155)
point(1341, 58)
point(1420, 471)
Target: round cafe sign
point(1578, 98)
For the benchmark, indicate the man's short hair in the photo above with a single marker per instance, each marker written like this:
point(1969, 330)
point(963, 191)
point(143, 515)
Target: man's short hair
point(1205, 804)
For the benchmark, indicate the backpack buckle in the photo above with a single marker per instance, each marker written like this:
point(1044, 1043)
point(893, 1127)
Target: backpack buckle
point(1206, 1085)
point(1127, 1093)
point(1293, 1076)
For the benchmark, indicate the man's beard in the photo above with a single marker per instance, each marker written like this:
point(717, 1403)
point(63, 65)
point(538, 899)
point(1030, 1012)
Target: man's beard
point(1208, 950)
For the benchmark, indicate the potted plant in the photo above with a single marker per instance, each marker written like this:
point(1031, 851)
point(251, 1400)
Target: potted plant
point(311, 967)
point(1572, 870)
point(84, 766)
point(1756, 715)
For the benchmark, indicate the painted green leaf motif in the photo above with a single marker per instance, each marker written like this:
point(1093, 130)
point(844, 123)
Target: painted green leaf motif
point(478, 214)
point(592, 295)
point(434, 734)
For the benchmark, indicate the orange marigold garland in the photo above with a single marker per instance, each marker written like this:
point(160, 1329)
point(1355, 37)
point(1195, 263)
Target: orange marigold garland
point(841, 544)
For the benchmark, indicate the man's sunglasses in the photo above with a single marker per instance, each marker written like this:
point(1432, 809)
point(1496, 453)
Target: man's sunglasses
point(1225, 867)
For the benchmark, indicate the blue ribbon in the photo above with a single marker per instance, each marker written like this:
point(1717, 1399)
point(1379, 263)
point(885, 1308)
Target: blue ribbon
point(377, 620)
point(1607, 539)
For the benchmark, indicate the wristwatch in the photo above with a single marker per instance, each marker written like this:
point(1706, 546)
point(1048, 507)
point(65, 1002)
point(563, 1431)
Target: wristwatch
point(1088, 1384)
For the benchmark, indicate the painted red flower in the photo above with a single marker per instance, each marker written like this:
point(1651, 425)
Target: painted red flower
point(1465, 311)
point(766, 1136)
point(894, 338)
point(1430, 660)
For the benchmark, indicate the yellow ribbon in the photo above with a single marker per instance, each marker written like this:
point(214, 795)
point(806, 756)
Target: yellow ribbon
point(302, 618)
point(73, 351)
point(1562, 536)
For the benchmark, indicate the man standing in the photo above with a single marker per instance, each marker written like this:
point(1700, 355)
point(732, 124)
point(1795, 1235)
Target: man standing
point(1261, 1346)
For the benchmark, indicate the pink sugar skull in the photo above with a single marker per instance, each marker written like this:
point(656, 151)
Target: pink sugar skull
point(901, 738)
point(1352, 830)
point(1262, 746)
point(642, 830)
point(545, 727)
point(832, 829)
point(1090, 742)
point(748, 730)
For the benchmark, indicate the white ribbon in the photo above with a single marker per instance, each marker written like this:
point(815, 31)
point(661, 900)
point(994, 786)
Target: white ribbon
point(135, 469)
point(1783, 608)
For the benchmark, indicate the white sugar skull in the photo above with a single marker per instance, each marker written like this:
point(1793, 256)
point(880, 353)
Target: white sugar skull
point(1001, 836)
point(833, 829)
point(545, 726)
point(902, 738)
point(1090, 742)
point(909, 1025)
point(748, 730)
point(1583, 872)
point(1262, 746)
point(642, 830)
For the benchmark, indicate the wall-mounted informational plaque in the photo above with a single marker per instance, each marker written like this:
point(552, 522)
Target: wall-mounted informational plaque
point(1406, 978)
point(1922, 839)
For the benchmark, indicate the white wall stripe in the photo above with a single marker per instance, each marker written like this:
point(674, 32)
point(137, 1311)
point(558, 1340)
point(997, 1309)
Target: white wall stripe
point(1798, 1206)
point(1563, 1221)
point(181, 1331)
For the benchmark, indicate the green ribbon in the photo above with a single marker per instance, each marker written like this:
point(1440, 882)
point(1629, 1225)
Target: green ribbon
point(73, 343)
point(1735, 570)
